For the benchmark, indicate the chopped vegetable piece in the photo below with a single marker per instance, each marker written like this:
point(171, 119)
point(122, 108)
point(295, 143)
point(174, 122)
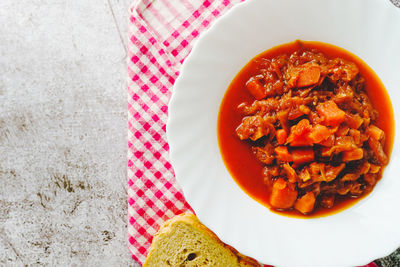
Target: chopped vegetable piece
point(301, 128)
point(332, 172)
point(375, 132)
point(295, 113)
point(282, 116)
point(374, 168)
point(330, 113)
point(299, 134)
point(252, 127)
point(281, 136)
point(344, 190)
point(306, 203)
point(309, 75)
point(314, 118)
point(265, 154)
point(317, 171)
point(342, 130)
point(377, 148)
point(304, 75)
point(364, 168)
point(304, 175)
point(301, 156)
point(329, 142)
point(304, 109)
point(356, 136)
point(344, 143)
point(283, 194)
point(341, 69)
point(256, 88)
point(290, 173)
point(327, 151)
point(350, 177)
point(319, 133)
point(354, 154)
point(282, 154)
point(356, 190)
point(344, 94)
point(354, 121)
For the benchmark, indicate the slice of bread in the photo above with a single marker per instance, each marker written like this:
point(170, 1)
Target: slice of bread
point(185, 241)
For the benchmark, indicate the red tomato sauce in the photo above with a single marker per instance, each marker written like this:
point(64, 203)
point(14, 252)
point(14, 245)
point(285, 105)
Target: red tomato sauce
point(237, 154)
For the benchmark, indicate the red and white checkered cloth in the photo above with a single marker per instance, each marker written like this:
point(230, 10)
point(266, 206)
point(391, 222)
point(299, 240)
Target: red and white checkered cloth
point(162, 33)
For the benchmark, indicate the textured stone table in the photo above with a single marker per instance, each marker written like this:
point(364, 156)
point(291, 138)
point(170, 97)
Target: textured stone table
point(63, 133)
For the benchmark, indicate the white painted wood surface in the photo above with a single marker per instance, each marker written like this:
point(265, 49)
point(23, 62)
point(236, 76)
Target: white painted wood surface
point(63, 133)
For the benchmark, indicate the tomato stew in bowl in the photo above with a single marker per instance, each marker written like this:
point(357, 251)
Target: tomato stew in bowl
point(306, 129)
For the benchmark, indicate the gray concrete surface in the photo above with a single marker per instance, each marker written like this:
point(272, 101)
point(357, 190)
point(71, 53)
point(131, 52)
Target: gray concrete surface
point(63, 133)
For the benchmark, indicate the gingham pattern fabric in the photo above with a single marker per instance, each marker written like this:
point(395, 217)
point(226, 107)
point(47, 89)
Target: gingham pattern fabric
point(161, 35)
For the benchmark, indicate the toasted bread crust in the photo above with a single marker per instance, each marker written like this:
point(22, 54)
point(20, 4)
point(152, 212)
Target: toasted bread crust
point(193, 221)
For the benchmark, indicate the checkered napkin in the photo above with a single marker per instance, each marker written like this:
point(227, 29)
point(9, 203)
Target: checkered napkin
point(162, 33)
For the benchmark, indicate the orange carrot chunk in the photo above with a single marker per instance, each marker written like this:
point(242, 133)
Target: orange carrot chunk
point(309, 75)
point(306, 203)
point(374, 132)
point(282, 154)
point(319, 133)
point(299, 134)
point(301, 128)
point(281, 136)
point(256, 88)
point(300, 156)
point(354, 154)
point(283, 194)
point(330, 113)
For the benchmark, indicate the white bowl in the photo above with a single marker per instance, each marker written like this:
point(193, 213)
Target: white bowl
point(366, 231)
